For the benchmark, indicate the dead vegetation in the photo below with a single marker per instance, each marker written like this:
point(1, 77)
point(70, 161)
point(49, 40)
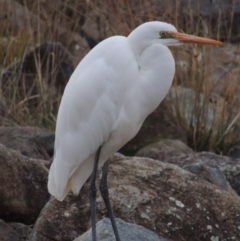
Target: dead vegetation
point(32, 89)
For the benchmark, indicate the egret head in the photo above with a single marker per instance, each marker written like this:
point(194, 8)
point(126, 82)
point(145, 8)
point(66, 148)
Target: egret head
point(166, 34)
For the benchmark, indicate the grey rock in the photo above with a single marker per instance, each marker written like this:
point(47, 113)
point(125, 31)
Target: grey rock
point(30, 141)
point(4, 110)
point(212, 8)
point(14, 231)
point(23, 230)
point(127, 232)
point(64, 220)
point(167, 150)
point(53, 58)
point(23, 189)
point(215, 14)
point(7, 233)
point(187, 99)
point(164, 149)
point(211, 167)
point(211, 174)
point(214, 111)
point(17, 17)
point(234, 152)
point(20, 16)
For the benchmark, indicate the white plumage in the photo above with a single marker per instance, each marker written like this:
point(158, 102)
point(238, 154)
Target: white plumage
point(111, 92)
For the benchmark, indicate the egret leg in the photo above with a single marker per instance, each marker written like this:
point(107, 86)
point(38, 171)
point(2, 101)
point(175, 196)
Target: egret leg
point(92, 195)
point(104, 193)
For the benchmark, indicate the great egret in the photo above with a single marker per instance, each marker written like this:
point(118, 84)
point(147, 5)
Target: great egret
point(109, 95)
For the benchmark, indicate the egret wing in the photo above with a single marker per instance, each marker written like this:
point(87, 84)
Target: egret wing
point(88, 112)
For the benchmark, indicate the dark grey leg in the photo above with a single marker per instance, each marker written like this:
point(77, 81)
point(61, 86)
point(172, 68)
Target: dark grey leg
point(92, 195)
point(104, 193)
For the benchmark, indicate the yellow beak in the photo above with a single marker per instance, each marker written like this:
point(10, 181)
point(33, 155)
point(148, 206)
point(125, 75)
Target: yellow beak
point(186, 38)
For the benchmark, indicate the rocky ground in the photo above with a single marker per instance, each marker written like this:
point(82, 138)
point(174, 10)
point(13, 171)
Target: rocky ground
point(160, 188)
point(166, 188)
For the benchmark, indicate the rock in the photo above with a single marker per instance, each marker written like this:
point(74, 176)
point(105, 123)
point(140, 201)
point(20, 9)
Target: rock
point(14, 18)
point(213, 166)
point(23, 230)
point(65, 33)
point(96, 29)
point(161, 124)
point(50, 62)
point(24, 21)
point(164, 149)
point(76, 45)
point(223, 74)
point(127, 232)
point(30, 141)
point(161, 197)
point(103, 19)
point(3, 110)
point(64, 220)
point(37, 56)
point(210, 174)
point(210, 111)
point(215, 11)
point(189, 100)
point(14, 231)
point(23, 189)
point(214, 16)
point(235, 183)
point(234, 152)
point(7, 233)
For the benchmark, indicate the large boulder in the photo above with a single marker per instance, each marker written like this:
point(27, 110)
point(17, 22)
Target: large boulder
point(23, 189)
point(162, 197)
point(168, 150)
point(211, 163)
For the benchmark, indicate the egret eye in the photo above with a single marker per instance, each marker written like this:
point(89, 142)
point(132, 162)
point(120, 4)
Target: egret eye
point(163, 34)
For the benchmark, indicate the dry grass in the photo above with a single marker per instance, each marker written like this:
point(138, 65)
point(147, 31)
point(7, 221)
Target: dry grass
point(119, 17)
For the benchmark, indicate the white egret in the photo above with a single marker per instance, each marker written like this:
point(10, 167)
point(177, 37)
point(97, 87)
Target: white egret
point(109, 95)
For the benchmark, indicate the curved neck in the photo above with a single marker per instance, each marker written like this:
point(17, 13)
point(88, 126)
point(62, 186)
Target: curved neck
point(156, 71)
point(137, 42)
